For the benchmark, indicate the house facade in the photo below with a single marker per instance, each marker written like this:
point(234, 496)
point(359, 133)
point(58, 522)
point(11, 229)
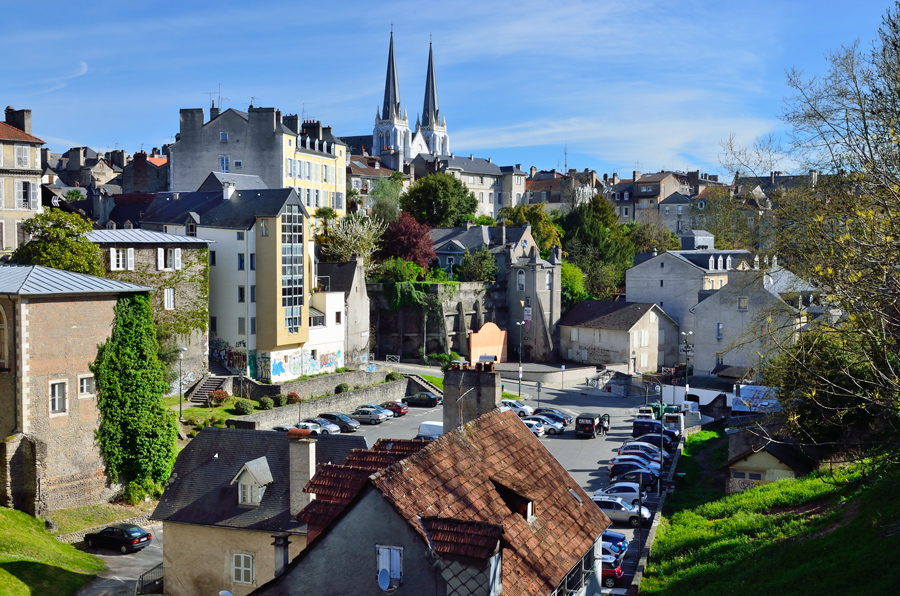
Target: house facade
point(51, 322)
point(349, 279)
point(493, 186)
point(20, 176)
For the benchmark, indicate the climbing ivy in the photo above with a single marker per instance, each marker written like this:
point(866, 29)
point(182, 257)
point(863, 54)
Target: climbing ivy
point(136, 434)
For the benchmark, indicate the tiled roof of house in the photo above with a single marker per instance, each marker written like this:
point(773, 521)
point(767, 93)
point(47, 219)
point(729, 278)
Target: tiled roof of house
point(238, 212)
point(158, 161)
point(337, 483)
point(9, 132)
point(462, 538)
point(544, 184)
point(406, 446)
point(605, 314)
point(34, 280)
point(340, 275)
point(373, 460)
point(135, 236)
point(363, 165)
point(658, 177)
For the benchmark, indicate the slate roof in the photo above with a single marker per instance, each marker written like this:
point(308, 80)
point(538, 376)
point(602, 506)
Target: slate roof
point(8, 132)
point(606, 314)
point(700, 258)
point(34, 280)
point(340, 275)
point(200, 491)
point(469, 165)
point(134, 236)
point(356, 144)
point(238, 212)
point(675, 198)
point(511, 170)
point(651, 178)
point(786, 454)
point(475, 237)
point(217, 180)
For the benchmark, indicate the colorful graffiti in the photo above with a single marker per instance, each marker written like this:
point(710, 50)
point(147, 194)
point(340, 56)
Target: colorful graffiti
point(263, 366)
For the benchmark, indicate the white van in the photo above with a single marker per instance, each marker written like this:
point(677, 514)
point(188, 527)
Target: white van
point(430, 430)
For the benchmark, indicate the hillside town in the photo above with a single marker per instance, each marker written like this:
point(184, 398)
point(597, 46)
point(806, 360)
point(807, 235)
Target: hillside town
point(311, 361)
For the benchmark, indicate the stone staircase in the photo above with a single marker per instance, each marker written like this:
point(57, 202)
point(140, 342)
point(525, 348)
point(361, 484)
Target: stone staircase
point(218, 369)
point(428, 384)
point(210, 383)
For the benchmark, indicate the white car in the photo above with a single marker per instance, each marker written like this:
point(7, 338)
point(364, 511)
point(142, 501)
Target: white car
point(518, 407)
point(621, 459)
point(627, 491)
point(645, 447)
point(550, 427)
point(536, 427)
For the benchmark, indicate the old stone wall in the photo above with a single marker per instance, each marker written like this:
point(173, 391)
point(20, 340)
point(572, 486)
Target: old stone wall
point(342, 402)
point(306, 389)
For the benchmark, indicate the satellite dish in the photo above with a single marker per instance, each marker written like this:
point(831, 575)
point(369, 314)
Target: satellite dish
point(225, 593)
point(384, 579)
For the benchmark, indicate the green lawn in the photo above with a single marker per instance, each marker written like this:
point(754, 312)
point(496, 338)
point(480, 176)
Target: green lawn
point(439, 381)
point(90, 516)
point(32, 562)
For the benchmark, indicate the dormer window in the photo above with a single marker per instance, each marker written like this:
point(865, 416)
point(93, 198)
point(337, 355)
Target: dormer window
point(252, 480)
point(191, 228)
point(516, 502)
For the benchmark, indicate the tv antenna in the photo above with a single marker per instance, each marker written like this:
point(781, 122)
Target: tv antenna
point(253, 99)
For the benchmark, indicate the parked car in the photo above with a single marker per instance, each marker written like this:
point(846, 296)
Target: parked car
point(564, 418)
point(621, 468)
point(313, 427)
point(536, 427)
point(623, 459)
point(618, 510)
point(649, 448)
point(126, 538)
point(518, 407)
point(616, 538)
point(645, 478)
point(608, 549)
point(384, 411)
point(651, 427)
point(369, 415)
point(612, 572)
point(423, 398)
point(669, 444)
point(644, 455)
point(630, 492)
point(550, 427)
point(397, 407)
point(588, 425)
point(344, 422)
point(327, 427)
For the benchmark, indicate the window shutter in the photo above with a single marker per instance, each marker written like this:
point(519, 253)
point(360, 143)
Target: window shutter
point(112, 259)
point(130, 264)
point(32, 199)
point(160, 258)
point(177, 258)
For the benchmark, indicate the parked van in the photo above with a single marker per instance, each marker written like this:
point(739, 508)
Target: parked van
point(430, 430)
point(587, 425)
point(644, 427)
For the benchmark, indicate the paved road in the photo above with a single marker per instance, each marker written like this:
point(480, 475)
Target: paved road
point(123, 571)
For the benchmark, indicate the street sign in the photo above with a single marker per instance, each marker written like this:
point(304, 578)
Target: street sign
point(538, 385)
point(527, 315)
point(686, 349)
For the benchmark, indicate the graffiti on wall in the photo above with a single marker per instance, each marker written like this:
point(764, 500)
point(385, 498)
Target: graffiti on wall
point(291, 365)
point(234, 359)
point(263, 366)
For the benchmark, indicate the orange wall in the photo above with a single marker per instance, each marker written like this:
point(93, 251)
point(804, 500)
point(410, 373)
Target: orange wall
point(489, 341)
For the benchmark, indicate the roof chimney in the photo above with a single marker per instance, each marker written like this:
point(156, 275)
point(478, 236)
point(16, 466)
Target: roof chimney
point(227, 190)
point(502, 234)
point(532, 172)
point(213, 112)
point(635, 174)
point(21, 119)
point(302, 466)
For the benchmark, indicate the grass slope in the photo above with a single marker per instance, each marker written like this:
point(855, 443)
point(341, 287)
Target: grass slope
point(33, 562)
point(100, 514)
point(807, 536)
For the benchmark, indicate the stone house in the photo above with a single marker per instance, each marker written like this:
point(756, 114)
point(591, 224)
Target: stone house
point(20, 176)
point(754, 461)
point(51, 322)
point(177, 268)
point(232, 493)
point(483, 510)
point(602, 332)
point(350, 279)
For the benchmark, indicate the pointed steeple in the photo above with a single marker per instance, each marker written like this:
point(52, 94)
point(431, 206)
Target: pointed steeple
point(391, 108)
point(430, 111)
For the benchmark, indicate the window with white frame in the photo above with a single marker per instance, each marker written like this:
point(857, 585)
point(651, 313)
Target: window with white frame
point(241, 258)
point(242, 568)
point(644, 360)
point(224, 162)
point(26, 194)
point(666, 210)
point(121, 259)
point(645, 338)
point(169, 297)
point(573, 334)
point(238, 163)
point(191, 228)
point(57, 397)
point(720, 330)
point(264, 227)
point(85, 386)
point(22, 160)
point(652, 317)
point(520, 280)
point(241, 294)
point(390, 558)
point(168, 259)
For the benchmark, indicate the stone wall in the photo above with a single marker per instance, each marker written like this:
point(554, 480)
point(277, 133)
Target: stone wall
point(342, 402)
point(310, 387)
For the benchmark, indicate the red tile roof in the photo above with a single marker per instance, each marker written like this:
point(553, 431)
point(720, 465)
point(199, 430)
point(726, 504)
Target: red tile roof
point(158, 161)
point(11, 133)
point(406, 446)
point(469, 539)
point(337, 483)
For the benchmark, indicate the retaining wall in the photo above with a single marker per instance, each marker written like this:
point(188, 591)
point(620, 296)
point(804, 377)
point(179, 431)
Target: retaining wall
point(310, 387)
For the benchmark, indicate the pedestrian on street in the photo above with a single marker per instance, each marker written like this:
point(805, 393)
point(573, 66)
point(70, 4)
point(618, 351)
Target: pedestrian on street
point(604, 426)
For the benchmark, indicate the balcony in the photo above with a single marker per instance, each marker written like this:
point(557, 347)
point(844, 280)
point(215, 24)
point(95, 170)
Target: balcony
point(323, 284)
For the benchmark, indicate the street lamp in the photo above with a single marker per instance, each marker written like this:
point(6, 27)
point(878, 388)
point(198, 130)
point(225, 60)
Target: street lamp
point(686, 335)
point(181, 352)
point(519, 324)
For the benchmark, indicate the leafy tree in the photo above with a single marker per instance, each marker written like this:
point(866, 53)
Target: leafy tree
point(410, 240)
point(477, 266)
point(481, 220)
point(546, 233)
point(58, 240)
point(572, 291)
point(440, 200)
point(136, 434)
point(352, 201)
point(725, 217)
point(325, 215)
point(400, 270)
point(646, 237)
point(385, 198)
point(355, 235)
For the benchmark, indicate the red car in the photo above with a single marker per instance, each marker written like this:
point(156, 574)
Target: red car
point(397, 407)
point(611, 575)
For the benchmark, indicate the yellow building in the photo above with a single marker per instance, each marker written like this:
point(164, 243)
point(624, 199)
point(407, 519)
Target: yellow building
point(315, 164)
point(20, 176)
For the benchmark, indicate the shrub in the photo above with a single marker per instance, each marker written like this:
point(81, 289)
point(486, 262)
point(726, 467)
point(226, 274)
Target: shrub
point(393, 376)
point(137, 490)
point(190, 421)
point(192, 434)
point(266, 403)
point(280, 400)
point(341, 369)
point(219, 397)
point(243, 407)
point(293, 398)
point(343, 387)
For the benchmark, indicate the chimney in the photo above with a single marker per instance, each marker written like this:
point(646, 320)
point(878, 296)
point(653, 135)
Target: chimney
point(615, 178)
point(292, 121)
point(490, 160)
point(312, 128)
point(654, 252)
point(605, 177)
point(140, 177)
point(282, 557)
point(772, 175)
point(302, 466)
point(227, 190)
point(45, 157)
point(518, 166)
point(213, 112)
point(377, 164)
point(813, 177)
point(21, 119)
point(635, 174)
point(532, 172)
point(76, 158)
point(468, 394)
point(471, 156)
point(502, 234)
point(117, 158)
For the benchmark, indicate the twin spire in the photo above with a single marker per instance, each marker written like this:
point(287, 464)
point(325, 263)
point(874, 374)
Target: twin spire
point(391, 108)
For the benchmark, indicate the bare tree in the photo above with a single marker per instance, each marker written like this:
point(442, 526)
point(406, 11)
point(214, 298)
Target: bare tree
point(356, 235)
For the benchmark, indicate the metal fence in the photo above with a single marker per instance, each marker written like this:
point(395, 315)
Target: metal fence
point(392, 358)
point(149, 580)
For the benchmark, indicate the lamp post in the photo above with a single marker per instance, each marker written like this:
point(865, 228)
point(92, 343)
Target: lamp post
point(519, 324)
point(686, 335)
point(181, 352)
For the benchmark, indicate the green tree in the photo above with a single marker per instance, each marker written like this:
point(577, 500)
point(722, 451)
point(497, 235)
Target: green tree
point(727, 218)
point(399, 270)
point(58, 240)
point(440, 200)
point(352, 200)
point(136, 434)
point(356, 235)
point(646, 237)
point(546, 233)
point(572, 291)
point(385, 198)
point(477, 266)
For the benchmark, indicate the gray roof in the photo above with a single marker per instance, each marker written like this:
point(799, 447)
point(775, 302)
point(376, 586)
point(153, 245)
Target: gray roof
point(239, 212)
point(134, 236)
point(469, 165)
point(340, 275)
point(259, 469)
point(217, 180)
point(511, 170)
point(200, 490)
point(675, 197)
point(475, 237)
point(606, 314)
point(34, 280)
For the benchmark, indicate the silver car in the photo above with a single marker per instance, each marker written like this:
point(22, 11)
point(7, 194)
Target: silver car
point(618, 510)
point(551, 427)
point(328, 427)
point(629, 492)
point(368, 415)
point(386, 412)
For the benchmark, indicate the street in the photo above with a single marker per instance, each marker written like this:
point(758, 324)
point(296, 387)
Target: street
point(123, 571)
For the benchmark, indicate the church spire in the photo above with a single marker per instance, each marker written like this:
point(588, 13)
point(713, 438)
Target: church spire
point(391, 108)
point(430, 111)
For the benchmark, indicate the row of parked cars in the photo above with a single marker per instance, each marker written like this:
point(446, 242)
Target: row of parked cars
point(332, 423)
point(540, 421)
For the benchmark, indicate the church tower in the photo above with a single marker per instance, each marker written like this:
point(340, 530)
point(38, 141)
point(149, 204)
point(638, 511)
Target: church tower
point(433, 126)
point(391, 136)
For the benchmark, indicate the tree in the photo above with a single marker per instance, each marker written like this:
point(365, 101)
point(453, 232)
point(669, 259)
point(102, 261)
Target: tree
point(647, 237)
point(440, 200)
point(136, 434)
point(546, 233)
point(409, 240)
point(400, 270)
point(725, 217)
point(385, 198)
point(477, 266)
point(355, 235)
point(325, 215)
point(58, 240)
point(572, 291)
point(352, 201)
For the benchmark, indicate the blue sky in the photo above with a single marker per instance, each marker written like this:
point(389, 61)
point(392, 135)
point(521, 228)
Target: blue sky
point(625, 84)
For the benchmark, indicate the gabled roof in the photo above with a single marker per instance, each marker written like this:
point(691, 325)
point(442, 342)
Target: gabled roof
point(468, 165)
point(606, 314)
point(8, 132)
point(340, 275)
point(462, 538)
point(475, 237)
point(239, 212)
point(259, 469)
point(217, 180)
point(544, 185)
point(158, 161)
point(136, 236)
point(676, 198)
point(651, 178)
point(34, 280)
point(786, 454)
